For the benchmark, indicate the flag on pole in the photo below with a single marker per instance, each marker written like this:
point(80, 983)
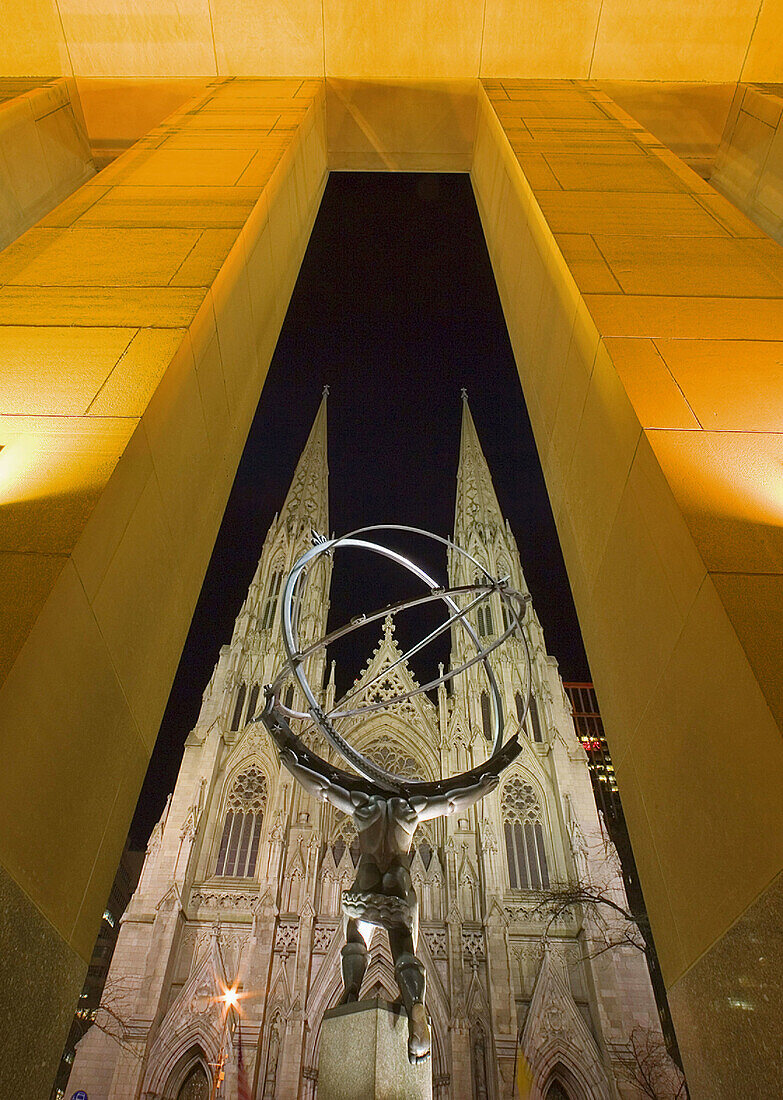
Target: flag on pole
point(243, 1089)
point(524, 1074)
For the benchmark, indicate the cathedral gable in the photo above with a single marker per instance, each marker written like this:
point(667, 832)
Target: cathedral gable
point(197, 1002)
point(403, 737)
point(373, 687)
point(555, 1032)
point(252, 748)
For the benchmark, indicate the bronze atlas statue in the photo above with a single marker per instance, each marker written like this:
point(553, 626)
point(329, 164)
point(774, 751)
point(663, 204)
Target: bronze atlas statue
point(386, 808)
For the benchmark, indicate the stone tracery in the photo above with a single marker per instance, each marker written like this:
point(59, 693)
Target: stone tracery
point(524, 835)
point(245, 807)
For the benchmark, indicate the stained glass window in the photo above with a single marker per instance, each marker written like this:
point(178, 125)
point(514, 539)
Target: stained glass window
point(238, 850)
point(195, 1086)
point(524, 835)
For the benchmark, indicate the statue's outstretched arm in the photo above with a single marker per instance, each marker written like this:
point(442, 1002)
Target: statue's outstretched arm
point(444, 805)
point(325, 790)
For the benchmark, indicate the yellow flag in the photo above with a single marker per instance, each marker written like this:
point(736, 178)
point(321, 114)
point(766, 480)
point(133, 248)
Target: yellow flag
point(524, 1075)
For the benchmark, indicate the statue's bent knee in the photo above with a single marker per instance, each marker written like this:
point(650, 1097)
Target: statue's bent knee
point(354, 950)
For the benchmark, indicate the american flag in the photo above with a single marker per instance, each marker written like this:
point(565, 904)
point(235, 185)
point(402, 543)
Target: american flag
point(243, 1089)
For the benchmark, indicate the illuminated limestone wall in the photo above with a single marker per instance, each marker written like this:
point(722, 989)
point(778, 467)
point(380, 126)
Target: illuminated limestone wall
point(405, 126)
point(117, 113)
point(689, 117)
point(138, 321)
point(44, 153)
point(749, 164)
point(383, 40)
point(646, 315)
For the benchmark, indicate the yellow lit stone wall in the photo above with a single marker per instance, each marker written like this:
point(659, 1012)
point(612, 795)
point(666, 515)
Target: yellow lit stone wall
point(33, 42)
point(137, 322)
point(382, 40)
point(117, 113)
point(687, 117)
point(646, 315)
point(749, 163)
point(400, 126)
point(44, 154)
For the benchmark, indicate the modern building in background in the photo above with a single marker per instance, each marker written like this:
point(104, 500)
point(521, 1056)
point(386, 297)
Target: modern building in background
point(590, 731)
point(125, 882)
point(243, 874)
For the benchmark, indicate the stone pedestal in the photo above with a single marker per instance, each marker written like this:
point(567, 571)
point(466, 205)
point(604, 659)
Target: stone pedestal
point(364, 1055)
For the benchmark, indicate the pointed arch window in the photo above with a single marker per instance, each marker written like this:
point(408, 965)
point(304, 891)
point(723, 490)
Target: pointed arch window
point(272, 595)
point(245, 807)
point(425, 851)
point(239, 707)
point(253, 703)
point(424, 843)
point(485, 624)
point(486, 715)
point(535, 719)
point(289, 696)
point(195, 1086)
point(299, 591)
point(483, 612)
point(394, 759)
point(524, 835)
point(508, 618)
point(519, 703)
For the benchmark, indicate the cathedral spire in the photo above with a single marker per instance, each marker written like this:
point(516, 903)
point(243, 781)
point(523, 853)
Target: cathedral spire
point(306, 509)
point(307, 504)
point(480, 529)
point(477, 505)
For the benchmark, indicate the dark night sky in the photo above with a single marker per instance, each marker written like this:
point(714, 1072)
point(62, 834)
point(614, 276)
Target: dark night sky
point(396, 309)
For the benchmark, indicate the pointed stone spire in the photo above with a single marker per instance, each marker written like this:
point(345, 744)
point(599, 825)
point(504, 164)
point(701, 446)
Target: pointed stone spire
point(257, 634)
point(307, 502)
point(481, 531)
point(477, 505)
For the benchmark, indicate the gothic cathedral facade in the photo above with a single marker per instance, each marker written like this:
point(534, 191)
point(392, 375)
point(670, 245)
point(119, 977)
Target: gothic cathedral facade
point(243, 873)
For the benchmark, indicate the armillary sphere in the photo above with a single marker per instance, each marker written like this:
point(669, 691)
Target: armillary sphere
point(474, 595)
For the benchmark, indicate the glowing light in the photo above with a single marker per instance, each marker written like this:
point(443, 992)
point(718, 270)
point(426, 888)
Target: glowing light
point(591, 745)
point(230, 998)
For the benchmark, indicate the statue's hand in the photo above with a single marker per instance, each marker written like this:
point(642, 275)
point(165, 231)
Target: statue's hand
point(488, 782)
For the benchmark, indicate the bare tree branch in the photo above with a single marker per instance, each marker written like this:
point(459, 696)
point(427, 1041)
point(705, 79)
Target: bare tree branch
point(612, 925)
point(113, 1014)
point(645, 1064)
